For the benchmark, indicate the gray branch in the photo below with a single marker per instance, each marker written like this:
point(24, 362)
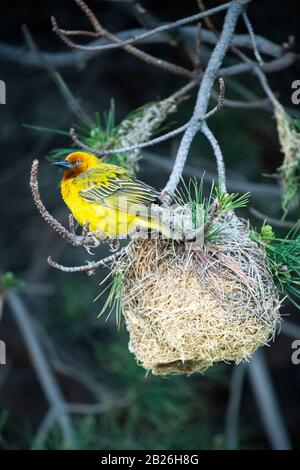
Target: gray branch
point(266, 400)
point(20, 55)
point(204, 94)
point(218, 155)
point(234, 404)
point(41, 365)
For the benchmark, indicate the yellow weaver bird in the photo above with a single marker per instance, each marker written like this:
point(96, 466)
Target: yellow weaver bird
point(113, 202)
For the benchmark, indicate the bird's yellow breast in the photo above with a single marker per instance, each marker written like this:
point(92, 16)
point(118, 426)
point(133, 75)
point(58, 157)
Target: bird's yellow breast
point(82, 210)
point(106, 220)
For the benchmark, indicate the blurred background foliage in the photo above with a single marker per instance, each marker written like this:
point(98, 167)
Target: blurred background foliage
point(89, 356)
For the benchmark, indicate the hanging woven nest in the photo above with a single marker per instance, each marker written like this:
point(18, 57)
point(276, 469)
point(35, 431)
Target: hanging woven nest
point(188, 307)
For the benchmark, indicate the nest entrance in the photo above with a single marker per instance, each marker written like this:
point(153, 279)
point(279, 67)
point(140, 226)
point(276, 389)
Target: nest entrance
point(186, 309)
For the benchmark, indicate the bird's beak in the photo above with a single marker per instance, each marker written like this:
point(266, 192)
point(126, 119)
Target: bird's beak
point(63, 164)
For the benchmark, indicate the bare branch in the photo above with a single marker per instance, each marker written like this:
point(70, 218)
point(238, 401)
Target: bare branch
point(44, 429)
point(234, 405)
point(41, 365)
point(269, 67)
point(219, 156)
point(220, 103)
point(198, 65)
point(91, 266)
point(209, 76)
point(207, 19)
point(77, 58)
point(259, 103)
point(168, 66)
point(147, 34)
point(268, 406)
point(130, 148)
point(157, 140)
point(271, 220)
point(184, 147)
point(76, 32)
point(86, 240)
point(253, 39)
point(266, 87)
point(60, 229)
point(234, 183)
point(98, 408)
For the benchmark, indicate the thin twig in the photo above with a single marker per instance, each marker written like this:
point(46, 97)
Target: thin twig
point(260, 103)
point(269, 67)
point(207, 19)
point(43, 430)
point(158, 30)
point(77, 58)
point(86, 240)
point(157, 140)
point(220, 103)
point(253, 39)
point(271, 220)
point(130, 148)
point(172, 68)
point(91, 266)
point(219, 156)
point(234, 405)
point(98, 408)
point(266, 400)
point(198, 65)
point(42, 368)
point(266, 87)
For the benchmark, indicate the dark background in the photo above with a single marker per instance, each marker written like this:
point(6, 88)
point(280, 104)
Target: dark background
point(89, 356)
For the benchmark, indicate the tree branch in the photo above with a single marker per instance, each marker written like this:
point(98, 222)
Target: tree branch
point(268, 406)
point(91, 266)
point(40, 363)
point(86, 240)
point(168, 66)
point(75, 58)
point(157, 140)
point(160, 29)
point(234, 404)
point(253, 39)
point(218, 154)
point(269, 67)
point(209, 76)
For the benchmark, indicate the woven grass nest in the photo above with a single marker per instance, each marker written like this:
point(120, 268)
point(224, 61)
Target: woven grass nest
point(189, 307)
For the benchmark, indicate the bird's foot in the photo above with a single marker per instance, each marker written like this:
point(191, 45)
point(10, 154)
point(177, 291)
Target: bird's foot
point(114, 245)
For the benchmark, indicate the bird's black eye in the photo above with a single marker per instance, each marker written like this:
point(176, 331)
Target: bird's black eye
point(78, 162)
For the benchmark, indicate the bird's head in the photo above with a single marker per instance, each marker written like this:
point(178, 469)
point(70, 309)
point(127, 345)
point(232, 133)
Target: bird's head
point(78, 162)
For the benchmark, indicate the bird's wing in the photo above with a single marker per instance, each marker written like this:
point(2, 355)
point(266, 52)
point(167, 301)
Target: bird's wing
point(115, 190)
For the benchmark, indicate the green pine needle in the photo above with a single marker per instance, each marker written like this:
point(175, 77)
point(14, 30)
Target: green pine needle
point(283, 255)
point(230, 202)
point(114, 298)
point(193, 193)
point(48, 130)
